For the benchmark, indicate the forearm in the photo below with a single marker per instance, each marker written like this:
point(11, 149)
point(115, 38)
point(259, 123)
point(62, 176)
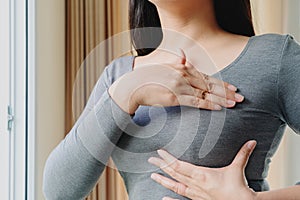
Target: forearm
point(290, 193)
point(75, 165)
point(71, 171)
point(103, 127)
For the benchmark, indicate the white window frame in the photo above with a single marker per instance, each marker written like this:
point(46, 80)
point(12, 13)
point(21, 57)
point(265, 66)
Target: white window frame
point(17, 64)
point(31, 91)
point(4, 100)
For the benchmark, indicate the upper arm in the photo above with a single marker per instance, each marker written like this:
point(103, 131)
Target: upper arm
point(99, 88)
point(289, 84)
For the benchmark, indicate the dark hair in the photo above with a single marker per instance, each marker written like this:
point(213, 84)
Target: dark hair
point(233, 16)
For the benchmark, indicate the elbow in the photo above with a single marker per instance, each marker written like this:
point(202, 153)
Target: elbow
point(55, 190)
point(52, 188)
point(56, 186)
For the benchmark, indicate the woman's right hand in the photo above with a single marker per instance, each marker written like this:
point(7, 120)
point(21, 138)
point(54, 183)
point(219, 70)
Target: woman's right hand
point(172, 85)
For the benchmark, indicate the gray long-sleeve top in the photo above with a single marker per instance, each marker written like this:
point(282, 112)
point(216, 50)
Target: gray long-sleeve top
point(266, 72)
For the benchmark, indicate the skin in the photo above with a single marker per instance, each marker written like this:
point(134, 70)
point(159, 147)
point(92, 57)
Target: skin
point(172, 85)
point(163, 86)
point(170, 79)
point(200, 183)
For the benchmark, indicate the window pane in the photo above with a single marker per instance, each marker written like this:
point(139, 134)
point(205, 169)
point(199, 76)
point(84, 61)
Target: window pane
point(4, 94)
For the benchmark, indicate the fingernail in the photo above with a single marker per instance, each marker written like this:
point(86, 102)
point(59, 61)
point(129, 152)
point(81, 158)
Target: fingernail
point(159, 151)
point(251, 144)
point(232, 88)
point(239, 97)
point(217, 107)
point(150, 160)
point(230, 102)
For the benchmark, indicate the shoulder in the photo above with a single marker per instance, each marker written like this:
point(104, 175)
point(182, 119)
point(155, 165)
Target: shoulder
point(273, 46)
point(278, 41)
point(277, 38)
point(270, 41)
point(118, 67)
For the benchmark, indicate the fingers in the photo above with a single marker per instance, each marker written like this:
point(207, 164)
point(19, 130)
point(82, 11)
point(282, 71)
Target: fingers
point(181, 171)
point(208, 83)
point(182, 57)
point(168, 198)
point(203, 82)
point(179, 166)
point(242, 157)
point(198, 102)
point(169, 170)
point(227, 103)
point(176, 187)
point(211, 98)
point(217, 87)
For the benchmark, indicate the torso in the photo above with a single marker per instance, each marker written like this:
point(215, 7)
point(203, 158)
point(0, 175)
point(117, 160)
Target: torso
point(209, 138)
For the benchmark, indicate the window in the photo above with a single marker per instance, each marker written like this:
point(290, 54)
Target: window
point(4, 101)
point(13, 102)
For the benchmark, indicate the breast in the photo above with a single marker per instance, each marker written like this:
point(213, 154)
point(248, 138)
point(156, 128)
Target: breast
point(207, 138)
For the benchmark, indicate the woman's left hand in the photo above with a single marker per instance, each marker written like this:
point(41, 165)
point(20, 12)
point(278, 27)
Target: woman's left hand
point(201, 183)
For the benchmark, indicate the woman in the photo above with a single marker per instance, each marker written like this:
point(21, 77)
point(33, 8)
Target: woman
point(122, 119)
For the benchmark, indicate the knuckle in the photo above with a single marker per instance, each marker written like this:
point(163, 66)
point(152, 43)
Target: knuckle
point(245, 153)
point(211, 87)
point(182, 74)
point(196, 102)
point(205, 95)
point(176, 165)
point(175, 188)
point(181, 189)
point(171, 172)
point(224, 102)
point(189, 66)
point(182, 67)
point(205, 104)
point(230, 94)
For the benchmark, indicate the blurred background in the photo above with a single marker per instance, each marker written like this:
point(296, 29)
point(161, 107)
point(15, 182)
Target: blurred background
point(61, 35)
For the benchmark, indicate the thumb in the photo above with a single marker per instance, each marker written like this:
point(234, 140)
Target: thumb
point(242, 157)
point(182, 57)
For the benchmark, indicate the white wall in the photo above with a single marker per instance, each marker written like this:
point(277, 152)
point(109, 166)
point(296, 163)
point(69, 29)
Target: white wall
point(50, 81)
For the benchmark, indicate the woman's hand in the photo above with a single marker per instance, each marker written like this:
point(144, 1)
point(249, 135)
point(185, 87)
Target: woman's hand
point(200, 183)
point(172, 85)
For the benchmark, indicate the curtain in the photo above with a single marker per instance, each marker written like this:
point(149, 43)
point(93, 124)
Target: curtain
point(89, 48)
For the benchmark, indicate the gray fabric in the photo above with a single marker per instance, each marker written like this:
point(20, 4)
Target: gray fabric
point(266, 73)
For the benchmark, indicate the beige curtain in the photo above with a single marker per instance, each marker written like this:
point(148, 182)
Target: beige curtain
point(89, 24)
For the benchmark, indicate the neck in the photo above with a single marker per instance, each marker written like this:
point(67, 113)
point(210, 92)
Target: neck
point(194, 19)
